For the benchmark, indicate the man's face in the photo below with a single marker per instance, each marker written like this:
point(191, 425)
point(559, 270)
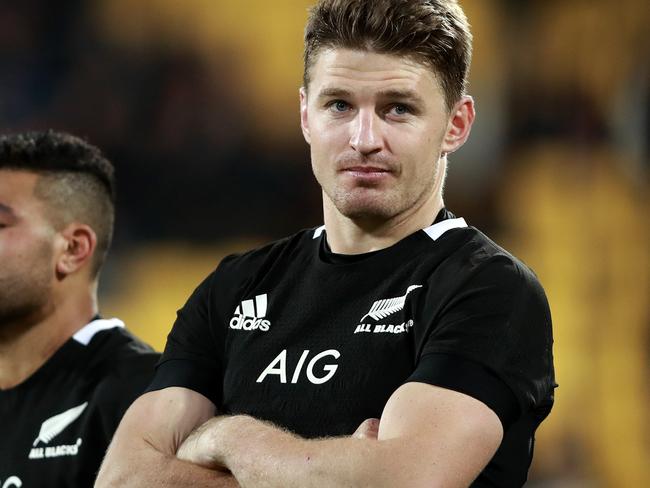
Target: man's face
point(26, 248)
point(375, 124)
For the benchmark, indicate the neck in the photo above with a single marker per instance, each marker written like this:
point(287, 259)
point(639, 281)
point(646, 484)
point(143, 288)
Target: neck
point(356, 236)
point(27, 344)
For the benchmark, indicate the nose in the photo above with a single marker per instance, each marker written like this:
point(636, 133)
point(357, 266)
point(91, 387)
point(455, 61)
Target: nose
point(365, 136)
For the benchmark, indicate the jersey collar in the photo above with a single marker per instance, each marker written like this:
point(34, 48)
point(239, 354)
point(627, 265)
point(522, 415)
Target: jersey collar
point(86, 333)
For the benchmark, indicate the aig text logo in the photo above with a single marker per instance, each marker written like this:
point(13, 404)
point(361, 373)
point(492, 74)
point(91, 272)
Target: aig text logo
point(278, 367)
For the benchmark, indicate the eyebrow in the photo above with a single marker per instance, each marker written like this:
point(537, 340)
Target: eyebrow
point(333, 92)
point(405, 95)
point(402, 95)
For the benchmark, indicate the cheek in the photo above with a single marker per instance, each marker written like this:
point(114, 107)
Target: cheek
point(324, 127)
point(425, 149)
point(22, 247)
point(330, 134)
point(14, 244)
point(327, 143)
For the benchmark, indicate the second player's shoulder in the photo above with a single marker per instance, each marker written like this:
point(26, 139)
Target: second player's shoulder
point(120, 367)
point(116, 352)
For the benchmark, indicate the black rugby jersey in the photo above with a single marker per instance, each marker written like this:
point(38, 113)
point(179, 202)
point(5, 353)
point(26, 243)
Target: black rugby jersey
point(56, 425)
point(317, 342)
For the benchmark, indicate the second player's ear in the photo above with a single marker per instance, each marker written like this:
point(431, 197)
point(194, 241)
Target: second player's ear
point(459, 125)
point(76, 247)
point(304, 120)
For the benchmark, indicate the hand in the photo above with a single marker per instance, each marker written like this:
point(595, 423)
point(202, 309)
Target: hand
point(199, 447)
point(369, 429)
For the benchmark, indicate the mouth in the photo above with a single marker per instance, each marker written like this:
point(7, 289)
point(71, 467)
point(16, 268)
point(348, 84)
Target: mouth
point(366, 171)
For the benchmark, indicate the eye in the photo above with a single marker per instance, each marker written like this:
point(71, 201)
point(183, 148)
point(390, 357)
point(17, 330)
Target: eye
point(400, 109)
point(339, 106)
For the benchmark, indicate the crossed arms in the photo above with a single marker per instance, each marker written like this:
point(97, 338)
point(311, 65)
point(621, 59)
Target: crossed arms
point(428, 436)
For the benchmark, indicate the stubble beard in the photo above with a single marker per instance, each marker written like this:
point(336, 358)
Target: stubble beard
point(26, 294)
point(377, 205)
point(365, 204)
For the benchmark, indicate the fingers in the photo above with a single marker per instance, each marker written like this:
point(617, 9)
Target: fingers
point(369, 429)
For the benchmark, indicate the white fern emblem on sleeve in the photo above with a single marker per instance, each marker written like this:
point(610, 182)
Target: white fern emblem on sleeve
point(55, 425)
point(383, 308)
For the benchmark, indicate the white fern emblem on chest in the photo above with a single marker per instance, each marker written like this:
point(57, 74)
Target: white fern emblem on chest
point(57, 424)
point(388, 306)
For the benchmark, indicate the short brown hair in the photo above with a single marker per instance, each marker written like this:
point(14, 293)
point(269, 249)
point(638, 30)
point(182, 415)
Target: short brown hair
point(434, 32)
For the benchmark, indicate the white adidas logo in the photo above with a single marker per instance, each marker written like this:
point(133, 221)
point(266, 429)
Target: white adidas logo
point(388, 306)
point(249, 315)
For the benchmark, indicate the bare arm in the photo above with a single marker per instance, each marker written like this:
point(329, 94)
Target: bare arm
point(143, 451)
point(428, 436)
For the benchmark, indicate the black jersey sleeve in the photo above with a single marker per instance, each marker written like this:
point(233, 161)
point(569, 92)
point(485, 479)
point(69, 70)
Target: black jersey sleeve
point(192, 358)
point(492, 340)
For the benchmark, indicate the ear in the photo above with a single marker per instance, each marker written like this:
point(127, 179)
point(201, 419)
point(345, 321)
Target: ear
point(304, 120)
point(460, 125)
point(77, 246)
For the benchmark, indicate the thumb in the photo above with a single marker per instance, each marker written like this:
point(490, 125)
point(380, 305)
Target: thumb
point(368, 429)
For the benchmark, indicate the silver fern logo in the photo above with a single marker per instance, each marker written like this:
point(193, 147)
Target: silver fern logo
point(57, 424)
point(388, 306)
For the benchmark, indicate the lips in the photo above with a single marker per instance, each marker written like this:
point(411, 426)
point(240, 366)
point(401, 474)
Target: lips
point(367, 174)
point(366, 169)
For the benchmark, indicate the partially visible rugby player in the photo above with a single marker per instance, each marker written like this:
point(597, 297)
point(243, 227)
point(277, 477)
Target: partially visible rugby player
point(66, 374)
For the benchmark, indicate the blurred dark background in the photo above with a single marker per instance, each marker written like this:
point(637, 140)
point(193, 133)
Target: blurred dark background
point(196, 103)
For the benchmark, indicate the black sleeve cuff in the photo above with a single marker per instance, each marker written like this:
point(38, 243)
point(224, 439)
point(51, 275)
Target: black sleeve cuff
point(471, 378)
point(188, 374)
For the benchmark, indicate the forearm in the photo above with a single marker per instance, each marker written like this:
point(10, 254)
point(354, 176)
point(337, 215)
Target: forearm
point(143, 466)
point(428, 436)
point(263, 456)
point(278, 459)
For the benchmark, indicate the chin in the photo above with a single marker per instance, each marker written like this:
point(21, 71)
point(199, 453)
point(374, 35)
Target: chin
point(366, 211)
point(366, 205)
point(381, 203)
